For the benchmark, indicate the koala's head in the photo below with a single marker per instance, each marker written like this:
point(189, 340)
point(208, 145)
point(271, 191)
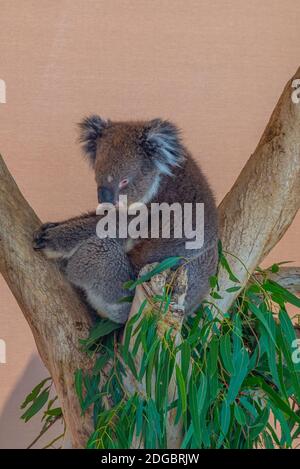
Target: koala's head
point(130, 158)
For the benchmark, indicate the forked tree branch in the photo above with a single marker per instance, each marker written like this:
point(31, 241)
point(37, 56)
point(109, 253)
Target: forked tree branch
point(254, 215)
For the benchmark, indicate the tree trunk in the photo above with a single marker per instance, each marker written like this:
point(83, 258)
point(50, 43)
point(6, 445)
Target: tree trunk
point(52, 309)
point(265, 198)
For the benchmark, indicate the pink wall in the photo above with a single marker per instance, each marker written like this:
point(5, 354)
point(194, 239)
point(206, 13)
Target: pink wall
point(215, 67)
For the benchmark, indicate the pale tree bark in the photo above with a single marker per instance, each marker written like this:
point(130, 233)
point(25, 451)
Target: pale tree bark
point(55, 314)
point(265, 198)
point(254, 215)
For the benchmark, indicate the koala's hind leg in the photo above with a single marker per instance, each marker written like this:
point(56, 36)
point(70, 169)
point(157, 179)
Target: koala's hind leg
point(100, 268)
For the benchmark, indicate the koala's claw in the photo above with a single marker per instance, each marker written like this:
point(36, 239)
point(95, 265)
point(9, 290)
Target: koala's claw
point(38, 244)
point(40, 236)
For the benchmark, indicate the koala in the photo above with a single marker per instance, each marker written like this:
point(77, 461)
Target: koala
point(147, 162)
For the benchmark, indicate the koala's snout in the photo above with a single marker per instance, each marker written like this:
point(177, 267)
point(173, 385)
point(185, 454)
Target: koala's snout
point(106, 195)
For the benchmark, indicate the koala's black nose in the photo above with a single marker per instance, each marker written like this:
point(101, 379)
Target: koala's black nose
point(105, 194)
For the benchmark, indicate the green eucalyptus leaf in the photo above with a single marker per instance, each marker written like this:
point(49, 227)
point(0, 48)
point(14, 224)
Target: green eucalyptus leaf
point(225, 422)
point(162, 266)
point(239, 414)
point(241, 364)
point(34, 393)
point(182, 395)
point(38, 404)
point(195, 416)
point(286, 295)
point(226, 353)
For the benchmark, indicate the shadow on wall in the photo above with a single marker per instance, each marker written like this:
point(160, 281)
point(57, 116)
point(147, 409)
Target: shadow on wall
point(14, 433)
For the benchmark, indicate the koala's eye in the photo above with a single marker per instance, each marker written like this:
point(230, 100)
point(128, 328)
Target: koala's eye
point(123, 183)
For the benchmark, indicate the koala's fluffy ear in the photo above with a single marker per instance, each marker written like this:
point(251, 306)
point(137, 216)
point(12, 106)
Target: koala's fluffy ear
point(91, 129)
point(163, 145)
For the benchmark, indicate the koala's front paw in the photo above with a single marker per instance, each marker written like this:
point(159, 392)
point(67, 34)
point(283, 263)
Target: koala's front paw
point(45, 239)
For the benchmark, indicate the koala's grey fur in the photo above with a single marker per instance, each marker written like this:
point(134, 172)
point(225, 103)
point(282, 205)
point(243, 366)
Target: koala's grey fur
point(158, 168)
